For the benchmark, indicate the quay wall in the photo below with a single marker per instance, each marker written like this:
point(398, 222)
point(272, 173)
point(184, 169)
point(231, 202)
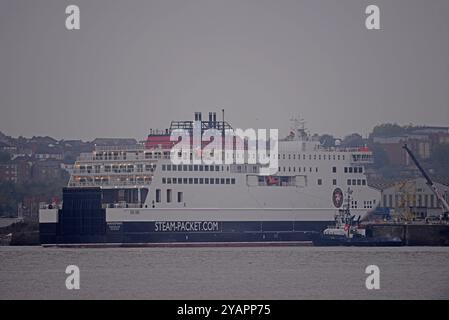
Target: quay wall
point(412, 234)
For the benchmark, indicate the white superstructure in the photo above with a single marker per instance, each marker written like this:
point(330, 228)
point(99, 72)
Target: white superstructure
point(141, 183)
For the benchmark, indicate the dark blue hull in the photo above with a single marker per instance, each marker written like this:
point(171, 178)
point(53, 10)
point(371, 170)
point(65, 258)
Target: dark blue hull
point(82, 220)
point(147, 232)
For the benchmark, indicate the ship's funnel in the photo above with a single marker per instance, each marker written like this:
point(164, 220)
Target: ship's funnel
point(197, 116)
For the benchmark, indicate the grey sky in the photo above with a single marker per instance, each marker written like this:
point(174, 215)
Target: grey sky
point(138, 64)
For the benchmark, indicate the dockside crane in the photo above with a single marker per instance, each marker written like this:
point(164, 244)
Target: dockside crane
point(429, 182)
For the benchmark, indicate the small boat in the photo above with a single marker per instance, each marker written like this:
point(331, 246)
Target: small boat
point(347, 232)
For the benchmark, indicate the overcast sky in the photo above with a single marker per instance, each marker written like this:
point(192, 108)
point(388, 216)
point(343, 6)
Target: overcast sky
point(138, 64)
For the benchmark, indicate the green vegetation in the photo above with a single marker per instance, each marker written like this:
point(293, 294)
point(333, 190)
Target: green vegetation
point(11, 194)
point(388, 130)
point(353, 140)
point(327, 140)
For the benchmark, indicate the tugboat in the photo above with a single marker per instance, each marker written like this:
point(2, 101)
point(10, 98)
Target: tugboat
point(347, 232)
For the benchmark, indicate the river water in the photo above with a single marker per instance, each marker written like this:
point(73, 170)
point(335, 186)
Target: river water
point(224, 273)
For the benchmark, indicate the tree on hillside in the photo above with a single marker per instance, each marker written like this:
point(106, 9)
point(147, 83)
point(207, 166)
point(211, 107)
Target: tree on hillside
point(388, 130)
point(327, 140)
point(11, 194)
point(353, 140)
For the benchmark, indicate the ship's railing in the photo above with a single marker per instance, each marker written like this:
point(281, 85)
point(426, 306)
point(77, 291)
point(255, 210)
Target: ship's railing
point(361, 158)
point(117, 184)
point(47, 206)
point(122, 205)
point(43, 206)
point(278, 184)
point(113, 171)
point(120, 157)
point(140, 156)
point(120, 147)
point(159, 132)
point(343, 149)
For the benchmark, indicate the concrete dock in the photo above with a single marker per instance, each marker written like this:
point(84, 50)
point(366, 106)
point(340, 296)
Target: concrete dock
point(412, 234)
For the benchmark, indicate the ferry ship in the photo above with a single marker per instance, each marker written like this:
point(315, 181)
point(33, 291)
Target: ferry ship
point(137, 195)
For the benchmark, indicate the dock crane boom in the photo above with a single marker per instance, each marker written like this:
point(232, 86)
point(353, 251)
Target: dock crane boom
point(429, 182)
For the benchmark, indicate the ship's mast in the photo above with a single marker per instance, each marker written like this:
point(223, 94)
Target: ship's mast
point(299, 127)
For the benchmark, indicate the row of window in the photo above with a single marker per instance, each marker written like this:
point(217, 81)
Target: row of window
point(116, 168)
point(111, 156)
point(208, 168)
point(293, 169)
point(169, 167)
point(190, 167)
point(283, 156)
point(166, 155)
point(334, 169)
point(310, 157)
point(356, 182)
point(129, 168)
point(157, 155)
point(353, 169)
point(123, 155)
point(168, 198)
point(198, 180)
point(106, 180)
point(320, 182)
point(369, 204)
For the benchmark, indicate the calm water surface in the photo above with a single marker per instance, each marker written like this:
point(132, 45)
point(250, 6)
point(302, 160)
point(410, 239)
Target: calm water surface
point(224, 273)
